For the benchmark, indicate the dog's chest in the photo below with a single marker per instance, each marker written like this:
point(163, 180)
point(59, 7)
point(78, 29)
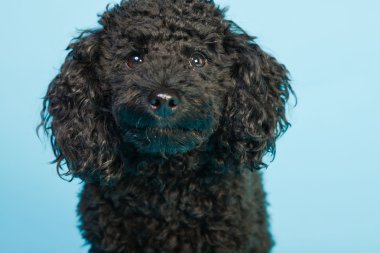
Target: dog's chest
point(175, 214)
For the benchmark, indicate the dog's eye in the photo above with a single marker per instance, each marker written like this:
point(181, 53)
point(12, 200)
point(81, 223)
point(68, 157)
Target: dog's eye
point(198, 60)
point(134, 59)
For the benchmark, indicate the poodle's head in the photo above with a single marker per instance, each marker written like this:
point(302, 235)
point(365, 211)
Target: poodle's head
point(164, 78)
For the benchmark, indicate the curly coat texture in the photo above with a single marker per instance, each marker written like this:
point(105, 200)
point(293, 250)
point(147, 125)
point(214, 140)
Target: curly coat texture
point(188, 183)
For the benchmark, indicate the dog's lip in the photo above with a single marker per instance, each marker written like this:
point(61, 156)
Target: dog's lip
point(164, 129)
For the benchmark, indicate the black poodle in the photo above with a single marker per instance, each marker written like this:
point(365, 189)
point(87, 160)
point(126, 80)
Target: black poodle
point(165, 112)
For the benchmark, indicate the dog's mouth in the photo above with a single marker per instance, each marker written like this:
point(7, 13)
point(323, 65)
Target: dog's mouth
point(172, 135)
point(165, 140)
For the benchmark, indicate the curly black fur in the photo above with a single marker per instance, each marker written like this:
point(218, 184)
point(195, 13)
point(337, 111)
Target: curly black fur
point(187, 183)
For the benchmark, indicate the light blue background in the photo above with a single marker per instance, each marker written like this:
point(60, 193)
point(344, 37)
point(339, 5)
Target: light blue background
point(324, 185)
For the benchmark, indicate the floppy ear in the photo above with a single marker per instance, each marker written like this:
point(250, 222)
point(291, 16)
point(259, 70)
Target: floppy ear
point(256, 108)
point(76, 114)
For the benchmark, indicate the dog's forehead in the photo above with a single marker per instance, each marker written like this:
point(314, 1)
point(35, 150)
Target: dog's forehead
point(169, 20)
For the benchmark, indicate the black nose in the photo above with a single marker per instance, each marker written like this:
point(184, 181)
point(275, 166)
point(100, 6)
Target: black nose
point(164, 102)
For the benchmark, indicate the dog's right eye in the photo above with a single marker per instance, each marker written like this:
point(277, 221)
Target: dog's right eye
point(134, 59)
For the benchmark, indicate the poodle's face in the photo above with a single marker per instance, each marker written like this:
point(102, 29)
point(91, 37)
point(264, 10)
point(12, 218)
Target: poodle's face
point(164, 77)
point(168, 91)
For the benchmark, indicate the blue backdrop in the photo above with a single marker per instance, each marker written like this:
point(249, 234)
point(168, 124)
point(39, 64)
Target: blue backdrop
point(324, 184)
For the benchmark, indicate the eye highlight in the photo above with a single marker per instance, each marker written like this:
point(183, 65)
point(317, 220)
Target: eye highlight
point(134, 59)
point(198, 60)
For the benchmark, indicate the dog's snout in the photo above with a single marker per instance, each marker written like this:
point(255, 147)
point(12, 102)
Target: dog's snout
point(164, 102)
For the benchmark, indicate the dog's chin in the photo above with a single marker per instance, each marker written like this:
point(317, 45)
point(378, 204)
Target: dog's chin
point(165, 141)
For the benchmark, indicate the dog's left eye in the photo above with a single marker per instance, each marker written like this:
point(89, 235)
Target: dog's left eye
point(198, 60)
point(134, 59)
